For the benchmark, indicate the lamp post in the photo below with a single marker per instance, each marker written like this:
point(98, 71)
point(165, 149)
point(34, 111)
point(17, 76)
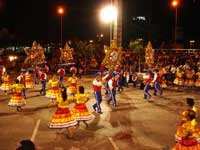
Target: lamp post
point(175, 4)
point(109, 15)
point(61, 12)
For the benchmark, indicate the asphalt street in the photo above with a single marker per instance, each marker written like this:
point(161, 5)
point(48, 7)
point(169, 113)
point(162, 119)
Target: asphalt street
point(134, 123)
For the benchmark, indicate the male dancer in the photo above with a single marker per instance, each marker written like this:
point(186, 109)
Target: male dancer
point(97, 84)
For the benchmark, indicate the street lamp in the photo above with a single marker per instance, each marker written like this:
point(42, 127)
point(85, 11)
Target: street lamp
point(60, 12)
point(109, 15)
point(175, 4)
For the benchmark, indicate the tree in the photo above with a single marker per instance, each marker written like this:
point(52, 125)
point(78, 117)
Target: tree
point(84, 50)
point(137, 48)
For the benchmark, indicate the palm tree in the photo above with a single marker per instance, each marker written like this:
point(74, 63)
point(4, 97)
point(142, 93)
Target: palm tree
point(137, 48)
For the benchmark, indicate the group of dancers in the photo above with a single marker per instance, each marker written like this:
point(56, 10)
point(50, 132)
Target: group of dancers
point(59, 94)
point(187, 136)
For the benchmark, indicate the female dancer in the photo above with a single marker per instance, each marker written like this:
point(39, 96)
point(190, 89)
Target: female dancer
point(80, 110)
point(63, 118)
point(53, 91)
point(5, 86)
point(17, 99)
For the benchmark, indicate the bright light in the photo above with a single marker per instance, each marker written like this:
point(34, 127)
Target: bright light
point(174, 3)
point(11, 58)
point(60, 10)
point(192, 41)
point(108, 14)
point(101, 35)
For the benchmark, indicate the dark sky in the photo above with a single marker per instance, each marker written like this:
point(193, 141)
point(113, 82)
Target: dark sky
point(28, 20)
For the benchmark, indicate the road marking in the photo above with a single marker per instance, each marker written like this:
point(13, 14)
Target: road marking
point(35, 130)
point(113, 143)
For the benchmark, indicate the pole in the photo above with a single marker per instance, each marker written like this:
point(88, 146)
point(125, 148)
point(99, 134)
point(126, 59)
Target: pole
point(61, 31)
point(111, 32)
point(175, 27)
point(111, 27)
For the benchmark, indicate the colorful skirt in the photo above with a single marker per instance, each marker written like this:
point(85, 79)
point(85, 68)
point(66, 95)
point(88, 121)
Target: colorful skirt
point(179, 146)
point(81, 113)
point(163, 84)
point(53, 93)
point(189, 82)
point(197, 83)
point(29, 84)
point(62, 119)
point(17, 100)
point(5, 86)
point(73, 89)
point(179, 81)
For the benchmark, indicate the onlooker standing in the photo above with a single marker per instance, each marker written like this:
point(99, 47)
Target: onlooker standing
point(134, 79)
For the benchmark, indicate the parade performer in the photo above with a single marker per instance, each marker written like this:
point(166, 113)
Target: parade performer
point(157, 83)
point(80, 110)
point(2, 71)
point(97, 85)
point(147, 81)
point(197, 82)
point(188, 134)
point(112, 84)
point(36, 75)
point(61, 73)
point(63, 118)
point(28, 80)
point(43, 78)
point(189, 106)
point(106, 78)
point(73, 80)
point(17, 99)
point(53, 92)
point(5, 86)
point(189, 77)
point(21, 79)
point(120, 82)
point(179, 76)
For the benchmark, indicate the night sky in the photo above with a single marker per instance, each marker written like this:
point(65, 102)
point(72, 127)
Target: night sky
point(22, 21)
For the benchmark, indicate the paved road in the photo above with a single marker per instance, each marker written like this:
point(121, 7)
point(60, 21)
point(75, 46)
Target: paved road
point(135, 122)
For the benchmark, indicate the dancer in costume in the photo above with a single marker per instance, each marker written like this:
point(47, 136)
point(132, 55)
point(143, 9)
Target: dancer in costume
point(80, 110)
point(73, 83)
point(106, 78)
point(36, 75)
point(188, 134)
point(179, 76)
point(43, 78)
point(97, 85)
point(147, 81)
point(189, 77)
point(63, 118)
point(61, 73)
point(112, 84)
point(28, 80)
point(53, 92)
point(2, 71)
point(197, 82)
point(189, 106)
point(5, 86)
point(157, 83)
point(21, 79)
point(17, 99)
